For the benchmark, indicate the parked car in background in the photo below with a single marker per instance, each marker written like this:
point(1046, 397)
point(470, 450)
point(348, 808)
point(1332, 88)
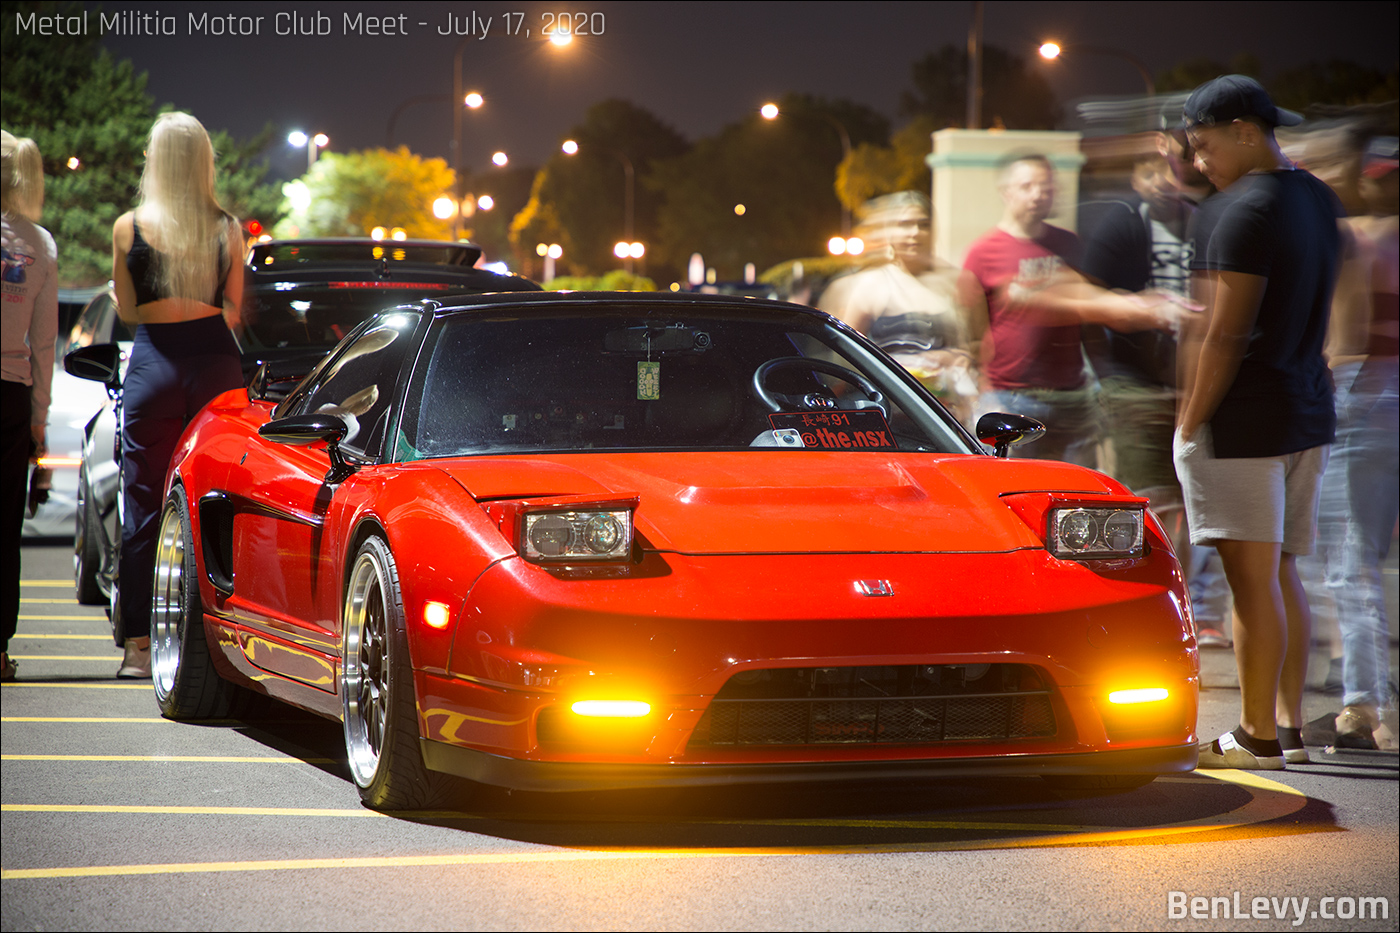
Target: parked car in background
point(300, 298)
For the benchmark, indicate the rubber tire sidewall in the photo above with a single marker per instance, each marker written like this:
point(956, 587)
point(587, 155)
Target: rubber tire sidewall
point(196, 691)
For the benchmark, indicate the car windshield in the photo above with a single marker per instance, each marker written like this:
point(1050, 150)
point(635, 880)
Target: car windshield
point(690, 378)
point(286, 316)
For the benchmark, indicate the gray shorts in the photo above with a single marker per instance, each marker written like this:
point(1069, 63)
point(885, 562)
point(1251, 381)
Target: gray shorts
point(1249, 498)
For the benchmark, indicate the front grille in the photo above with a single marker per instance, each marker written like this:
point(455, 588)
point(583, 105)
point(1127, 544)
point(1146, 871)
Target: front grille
point(912, 704)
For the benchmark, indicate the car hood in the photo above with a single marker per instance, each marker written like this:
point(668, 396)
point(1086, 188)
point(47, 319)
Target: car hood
point(795, 501)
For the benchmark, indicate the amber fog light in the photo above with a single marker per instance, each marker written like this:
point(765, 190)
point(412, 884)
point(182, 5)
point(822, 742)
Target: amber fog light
point(613, 709)
point(1139, 695)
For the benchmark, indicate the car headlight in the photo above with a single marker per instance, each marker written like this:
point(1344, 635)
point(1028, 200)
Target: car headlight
point(576, 535)
point(1078, 533)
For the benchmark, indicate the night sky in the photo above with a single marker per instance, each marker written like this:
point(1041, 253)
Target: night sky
point(698, 66)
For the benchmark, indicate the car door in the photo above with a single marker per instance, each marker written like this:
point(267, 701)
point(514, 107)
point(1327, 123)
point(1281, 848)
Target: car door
point(282, 569)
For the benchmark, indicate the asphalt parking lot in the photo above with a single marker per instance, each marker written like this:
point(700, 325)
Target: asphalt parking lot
point(253, 823)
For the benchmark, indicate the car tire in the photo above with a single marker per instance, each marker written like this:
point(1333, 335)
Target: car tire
point(377, 692)
point(87, 548)
point(182, 668)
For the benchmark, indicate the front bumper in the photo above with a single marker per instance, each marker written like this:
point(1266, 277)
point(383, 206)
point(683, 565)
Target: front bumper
point(554, 776)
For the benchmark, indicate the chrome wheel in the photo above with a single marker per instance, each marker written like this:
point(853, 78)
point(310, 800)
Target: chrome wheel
point(168, 610)
point(366, 667)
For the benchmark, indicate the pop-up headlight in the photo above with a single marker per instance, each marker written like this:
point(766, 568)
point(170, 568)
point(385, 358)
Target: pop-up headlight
point(1079, 533)
point(573, 535)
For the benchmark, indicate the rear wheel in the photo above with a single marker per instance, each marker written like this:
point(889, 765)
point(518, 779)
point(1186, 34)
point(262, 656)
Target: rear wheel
point(377, 694)
point(182, 668)
point(87, 548)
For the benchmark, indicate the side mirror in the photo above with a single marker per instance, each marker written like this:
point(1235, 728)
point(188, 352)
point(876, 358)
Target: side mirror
point(301, 430)
point(1003, 431)
point(100, 363)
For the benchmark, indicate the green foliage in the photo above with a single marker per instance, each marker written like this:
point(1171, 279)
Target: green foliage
point(240, 175)
point(901, 166)
point(1192, 73)
point(1333, 83)
point(618, 280)
point(782, 172)
point(510, 189)
point(1017, 96)
point(351, 194)
point(74, 100)
point(579, 201)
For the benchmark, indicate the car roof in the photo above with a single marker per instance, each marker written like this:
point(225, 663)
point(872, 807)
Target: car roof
point(545, 301)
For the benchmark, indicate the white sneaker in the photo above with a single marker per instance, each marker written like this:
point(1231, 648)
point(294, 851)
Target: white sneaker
point(136, 662)
point(1225, 752)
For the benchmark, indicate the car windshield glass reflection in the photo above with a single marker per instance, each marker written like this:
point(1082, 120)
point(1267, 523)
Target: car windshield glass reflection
point(636, 381)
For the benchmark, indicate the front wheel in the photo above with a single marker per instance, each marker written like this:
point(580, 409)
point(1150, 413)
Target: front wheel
point(377, 695)
point(182, 670)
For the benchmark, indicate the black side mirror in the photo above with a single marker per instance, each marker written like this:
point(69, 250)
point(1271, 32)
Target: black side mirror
point(1003, 431)
point(301, 430)
point(100, 363)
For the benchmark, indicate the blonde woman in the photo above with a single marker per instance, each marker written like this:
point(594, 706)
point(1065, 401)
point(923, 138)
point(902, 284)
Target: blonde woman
point(30, 327)
point(177, 266)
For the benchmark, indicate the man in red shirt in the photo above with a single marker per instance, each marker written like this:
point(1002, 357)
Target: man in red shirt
point(1022, 273)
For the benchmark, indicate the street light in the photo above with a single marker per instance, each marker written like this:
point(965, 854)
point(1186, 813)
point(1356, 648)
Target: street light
point(499, 159)
point(570, 147)
point(771, 112)
point(1051, 51)
point(549, 252)
point(312, 143)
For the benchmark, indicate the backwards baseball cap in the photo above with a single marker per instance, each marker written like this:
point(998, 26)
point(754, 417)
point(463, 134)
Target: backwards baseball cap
point(1231, 97)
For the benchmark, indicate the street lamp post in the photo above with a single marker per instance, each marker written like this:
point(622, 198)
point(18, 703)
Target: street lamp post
point(570, 147)
point(1050, 51)
point(312, 143)
point(770, 111)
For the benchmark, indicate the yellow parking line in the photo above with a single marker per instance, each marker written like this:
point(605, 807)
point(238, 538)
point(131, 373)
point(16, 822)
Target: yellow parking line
point(1281, 800)
point(90, 719)
point(104, 658)
point(92, 618)
point(213, 811)
point(66, 602)
point(241, 759)
point(46, 583)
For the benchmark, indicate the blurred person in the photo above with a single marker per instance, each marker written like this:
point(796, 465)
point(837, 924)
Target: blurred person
point(1362, 351)
point(177, 266)
point(1257, 411)
point(905, 302)
point(30, 329)
point(1140, 244)
point(1020, 278)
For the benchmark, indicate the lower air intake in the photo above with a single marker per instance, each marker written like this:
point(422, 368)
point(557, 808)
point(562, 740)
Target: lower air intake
point(914, 704)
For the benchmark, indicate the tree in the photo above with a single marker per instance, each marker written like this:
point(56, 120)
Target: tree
point(351, 194)
point(1192, 73)
point(901, 166)
point(77, 102)
point(1017, 96)
point(781, 173)
point(1333, 83)
point(578, 200)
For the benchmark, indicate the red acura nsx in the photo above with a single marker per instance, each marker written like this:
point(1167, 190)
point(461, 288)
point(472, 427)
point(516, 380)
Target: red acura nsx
point(577, 541)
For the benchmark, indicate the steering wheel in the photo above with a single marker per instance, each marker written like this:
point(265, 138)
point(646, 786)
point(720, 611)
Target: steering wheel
point(760, 379)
